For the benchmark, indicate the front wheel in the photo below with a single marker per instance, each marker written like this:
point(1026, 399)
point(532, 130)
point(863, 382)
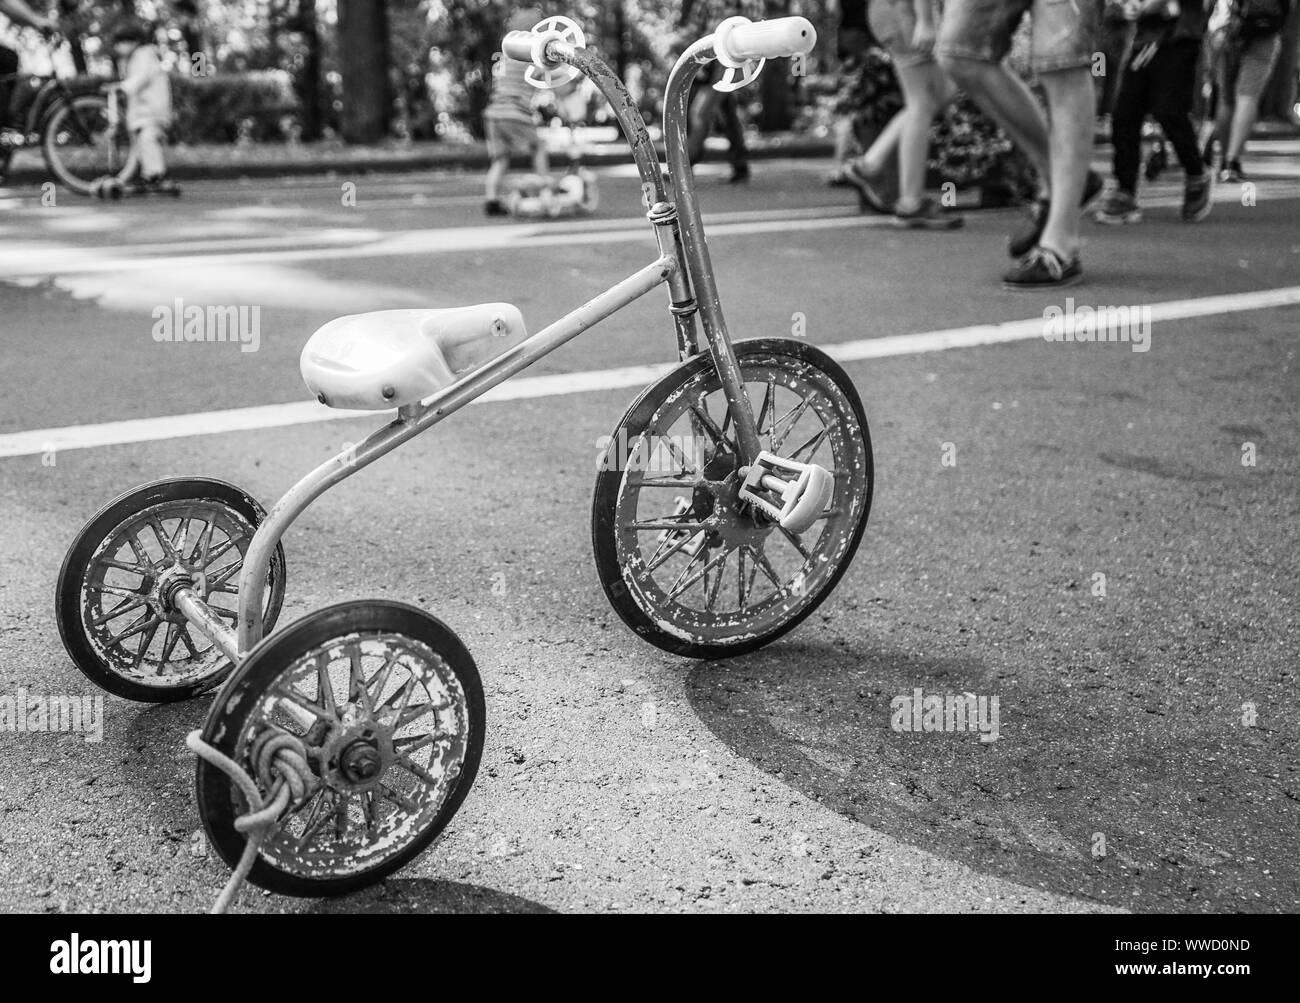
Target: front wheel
point(684, 561)
point(82, 143)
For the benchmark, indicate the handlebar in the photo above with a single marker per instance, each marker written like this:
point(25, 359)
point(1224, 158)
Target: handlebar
point(738, 39)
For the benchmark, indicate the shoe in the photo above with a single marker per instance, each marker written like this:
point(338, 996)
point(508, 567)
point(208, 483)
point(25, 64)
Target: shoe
point(1020, 244)
point(1157, 161)
point(927, 216)
point(1232, 173)
point(493, 207)
point(162, 185)
point(1042, 269)
point(1197, 197)
point(739, 174)
point(1118, 208)
point(865, 183)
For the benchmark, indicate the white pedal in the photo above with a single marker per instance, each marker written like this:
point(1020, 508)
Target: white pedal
point(801, 490)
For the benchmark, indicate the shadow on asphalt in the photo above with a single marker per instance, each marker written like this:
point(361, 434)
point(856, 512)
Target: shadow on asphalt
point(1181, 834)
point(429, 895)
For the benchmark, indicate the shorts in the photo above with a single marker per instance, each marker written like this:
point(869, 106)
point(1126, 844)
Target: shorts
point(1244, 69)
point(1064, 34)
point(509, 137)
point(893, 22)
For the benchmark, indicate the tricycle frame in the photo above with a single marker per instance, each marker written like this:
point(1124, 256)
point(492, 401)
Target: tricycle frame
point(683, 264)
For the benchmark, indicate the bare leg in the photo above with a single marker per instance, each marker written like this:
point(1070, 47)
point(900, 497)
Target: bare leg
point(1006, 97)
point(925, 91)
point(1071, 99)
point(1243, 120)
point(148, 141)
point(873, 161)
point(496, 172)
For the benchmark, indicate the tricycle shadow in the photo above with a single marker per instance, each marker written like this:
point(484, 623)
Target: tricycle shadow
point(1052, 804)
point(426, 895)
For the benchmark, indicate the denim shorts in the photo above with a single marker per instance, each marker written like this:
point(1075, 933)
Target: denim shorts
point(1064, 34)
point(892, 22)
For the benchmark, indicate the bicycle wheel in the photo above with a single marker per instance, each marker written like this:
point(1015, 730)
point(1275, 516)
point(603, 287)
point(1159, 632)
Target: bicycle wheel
point(386, 706)
point(80, 145)
point(111, 599)
point(684, 562)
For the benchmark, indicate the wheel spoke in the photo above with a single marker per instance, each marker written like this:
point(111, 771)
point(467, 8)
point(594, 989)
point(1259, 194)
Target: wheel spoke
point(116, 611)
point(793, 416)
point(814, 442)
point(145, 641)
point(681, 587)
point(804, 552)
point(136, 626)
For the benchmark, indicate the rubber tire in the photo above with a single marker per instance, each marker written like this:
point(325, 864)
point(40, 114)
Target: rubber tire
point(67, 600)
point(605, 499)
point(225, 721)
point(49, 150)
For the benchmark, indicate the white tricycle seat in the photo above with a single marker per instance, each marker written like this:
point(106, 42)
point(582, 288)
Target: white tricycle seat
point(389, 358)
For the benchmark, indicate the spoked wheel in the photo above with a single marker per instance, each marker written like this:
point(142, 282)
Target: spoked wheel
point(112, 597)
point(685, 562)
point(81, 145)
point(385, 705)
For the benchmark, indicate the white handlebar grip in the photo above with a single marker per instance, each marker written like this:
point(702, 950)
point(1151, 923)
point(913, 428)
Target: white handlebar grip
point(518, 45)
point(736, 40)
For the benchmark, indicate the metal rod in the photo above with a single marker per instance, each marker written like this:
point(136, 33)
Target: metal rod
point(207, 623)
point(697, 261)
point(681, 298)
point(412, 421)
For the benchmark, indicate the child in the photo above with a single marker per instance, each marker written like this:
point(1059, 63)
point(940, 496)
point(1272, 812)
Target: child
point(511, 128)
point(148, 106)
point(1160, 79)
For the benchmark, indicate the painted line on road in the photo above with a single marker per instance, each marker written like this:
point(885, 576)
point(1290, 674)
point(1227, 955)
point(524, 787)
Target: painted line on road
point(118, 433)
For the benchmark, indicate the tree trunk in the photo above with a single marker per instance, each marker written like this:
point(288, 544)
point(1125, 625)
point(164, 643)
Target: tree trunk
point(1279, 96)
point(363, 65)
point(620, 33)
point(68, 8)
point(309, 77)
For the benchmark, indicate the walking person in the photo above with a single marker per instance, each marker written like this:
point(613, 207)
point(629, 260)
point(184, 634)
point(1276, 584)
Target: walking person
point(148, 106)
point(1160, 80)
point(11, 134)
point(974, 39)
point(709, 107)
point(1246, 39)
point(907, 29)
point(509, 119)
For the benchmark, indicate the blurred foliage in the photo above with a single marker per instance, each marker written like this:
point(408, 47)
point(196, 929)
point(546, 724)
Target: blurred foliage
point(255, 106)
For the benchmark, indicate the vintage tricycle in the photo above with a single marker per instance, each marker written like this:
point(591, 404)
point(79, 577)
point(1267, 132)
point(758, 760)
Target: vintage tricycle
point(340, 746)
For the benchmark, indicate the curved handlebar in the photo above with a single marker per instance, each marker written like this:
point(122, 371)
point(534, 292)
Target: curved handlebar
point(738, 39)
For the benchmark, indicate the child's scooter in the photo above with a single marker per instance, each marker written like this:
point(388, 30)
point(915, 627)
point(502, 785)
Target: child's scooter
point(729, 502)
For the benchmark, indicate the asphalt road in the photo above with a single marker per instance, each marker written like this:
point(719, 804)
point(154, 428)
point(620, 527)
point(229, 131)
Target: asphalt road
point(617, 777)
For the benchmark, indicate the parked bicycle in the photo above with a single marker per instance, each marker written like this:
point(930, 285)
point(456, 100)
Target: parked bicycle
point(78, 123)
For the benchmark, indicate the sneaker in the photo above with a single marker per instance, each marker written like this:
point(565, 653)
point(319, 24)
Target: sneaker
point(1197, 200)
point(739, 174)
point(1118, 208)
point(1232, 173)
point(1042, 269)
point(493, 207)
point(868, 197)
point(162, 185)
point(927, 216)
point(1026, 240)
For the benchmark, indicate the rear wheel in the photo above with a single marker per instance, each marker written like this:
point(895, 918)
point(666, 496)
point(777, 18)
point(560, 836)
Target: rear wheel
point(386, 706)
point(81, 145)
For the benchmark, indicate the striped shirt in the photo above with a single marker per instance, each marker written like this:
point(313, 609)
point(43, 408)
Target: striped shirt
point(512, 95)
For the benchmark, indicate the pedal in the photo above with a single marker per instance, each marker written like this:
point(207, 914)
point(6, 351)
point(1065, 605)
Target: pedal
point(801, 489)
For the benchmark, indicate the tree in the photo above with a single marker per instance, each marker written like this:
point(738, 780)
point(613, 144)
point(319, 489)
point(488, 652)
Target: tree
point(363, 53)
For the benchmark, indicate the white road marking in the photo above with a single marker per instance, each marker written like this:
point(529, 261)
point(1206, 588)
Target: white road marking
point(116, 433)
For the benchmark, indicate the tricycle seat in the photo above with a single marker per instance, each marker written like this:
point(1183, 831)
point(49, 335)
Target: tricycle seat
point(388, 358)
